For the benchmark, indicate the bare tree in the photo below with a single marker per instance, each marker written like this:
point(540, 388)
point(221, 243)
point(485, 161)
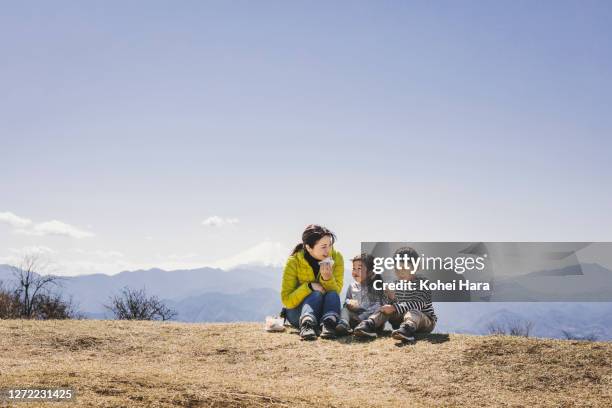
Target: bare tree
point(33, 281)
point(133, 304)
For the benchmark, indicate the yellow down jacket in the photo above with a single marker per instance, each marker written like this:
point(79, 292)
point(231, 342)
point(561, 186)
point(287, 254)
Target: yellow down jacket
point(298, 274)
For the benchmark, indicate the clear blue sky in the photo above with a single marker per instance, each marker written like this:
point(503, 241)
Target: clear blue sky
point(134, 122)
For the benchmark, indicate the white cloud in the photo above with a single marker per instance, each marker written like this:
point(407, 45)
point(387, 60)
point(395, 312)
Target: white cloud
point(216, 221)
point(55, 227)
point(46, 258)
point(177, 257)
point(99, 253)
point(14, 221)
point(112, 266)
point(25, 226)
point(33, 250)
point(266, 253)
point(91, 266)
point(77, 261)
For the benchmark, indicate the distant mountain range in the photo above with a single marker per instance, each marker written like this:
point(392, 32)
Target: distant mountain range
point(577, 283)
point(250, 293)
point(204, 294)
point(550, 319)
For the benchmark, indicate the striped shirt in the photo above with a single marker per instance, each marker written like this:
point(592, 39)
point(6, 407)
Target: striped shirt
point(417, 299)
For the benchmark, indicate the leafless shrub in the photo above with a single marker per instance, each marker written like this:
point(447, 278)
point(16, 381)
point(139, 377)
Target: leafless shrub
point(572, 336)
point(133, 304)
point(53, 306)
point(496, 328)
point(517, 327)
point(44, 306)
point(10, 307)
point(520, 328)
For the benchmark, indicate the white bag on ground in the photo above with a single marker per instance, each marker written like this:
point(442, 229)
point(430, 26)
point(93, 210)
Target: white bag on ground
point(274, 324)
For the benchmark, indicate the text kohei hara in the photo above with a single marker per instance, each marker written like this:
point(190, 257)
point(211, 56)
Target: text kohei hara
point(424, 284)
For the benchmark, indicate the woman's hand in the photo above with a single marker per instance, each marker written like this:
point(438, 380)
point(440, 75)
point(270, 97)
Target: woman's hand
point(387, 309)
point(325, 271)
point(317, 287)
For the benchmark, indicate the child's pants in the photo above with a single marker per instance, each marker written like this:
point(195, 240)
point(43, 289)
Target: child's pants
point(417, 320)
point(350, 317)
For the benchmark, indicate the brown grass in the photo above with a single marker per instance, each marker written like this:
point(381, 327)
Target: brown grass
point(154, 364)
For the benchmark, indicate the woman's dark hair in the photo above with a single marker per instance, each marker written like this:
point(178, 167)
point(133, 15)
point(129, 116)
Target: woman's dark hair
point(311, 235)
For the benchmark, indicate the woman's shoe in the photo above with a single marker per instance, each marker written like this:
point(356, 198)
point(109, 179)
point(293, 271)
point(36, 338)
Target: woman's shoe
point(307, 330)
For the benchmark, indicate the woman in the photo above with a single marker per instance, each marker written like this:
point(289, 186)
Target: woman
point(312, 281)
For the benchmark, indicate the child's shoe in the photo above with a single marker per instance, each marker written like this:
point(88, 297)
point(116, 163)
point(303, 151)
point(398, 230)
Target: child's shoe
point(365, 329)
point(329, 329)
point(405, 333)
point(342, 328)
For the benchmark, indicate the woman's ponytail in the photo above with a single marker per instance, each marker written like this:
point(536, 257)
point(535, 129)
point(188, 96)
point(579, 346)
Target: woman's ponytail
point(297, 248)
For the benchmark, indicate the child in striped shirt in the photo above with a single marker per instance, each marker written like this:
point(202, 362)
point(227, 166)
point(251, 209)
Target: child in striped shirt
point(411, 310)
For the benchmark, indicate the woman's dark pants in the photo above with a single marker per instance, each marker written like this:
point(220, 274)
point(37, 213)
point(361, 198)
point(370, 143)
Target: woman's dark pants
point(318, 307)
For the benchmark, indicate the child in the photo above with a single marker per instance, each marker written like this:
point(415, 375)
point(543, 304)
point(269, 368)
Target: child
point(361, 298)
point(412, 310)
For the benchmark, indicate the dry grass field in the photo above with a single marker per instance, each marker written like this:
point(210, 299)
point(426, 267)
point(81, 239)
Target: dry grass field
point(154, 364)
